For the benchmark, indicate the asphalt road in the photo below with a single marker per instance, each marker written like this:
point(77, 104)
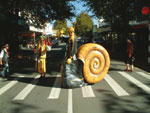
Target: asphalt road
point(118, 92)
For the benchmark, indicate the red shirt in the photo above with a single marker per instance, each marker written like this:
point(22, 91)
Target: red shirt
point(130, 48)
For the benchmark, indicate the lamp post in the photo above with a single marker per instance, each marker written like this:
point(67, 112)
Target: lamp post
point(146, 11)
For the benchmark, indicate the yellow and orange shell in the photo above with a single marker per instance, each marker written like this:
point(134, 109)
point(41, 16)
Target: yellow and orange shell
point(96, 61)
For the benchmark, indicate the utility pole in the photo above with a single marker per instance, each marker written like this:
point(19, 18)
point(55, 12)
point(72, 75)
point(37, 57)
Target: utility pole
point(149, 41)
point(146, 11)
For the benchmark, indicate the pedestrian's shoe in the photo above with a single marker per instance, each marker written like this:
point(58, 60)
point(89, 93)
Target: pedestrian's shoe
point(131, 70)
point(1, 75)
point(126, 69)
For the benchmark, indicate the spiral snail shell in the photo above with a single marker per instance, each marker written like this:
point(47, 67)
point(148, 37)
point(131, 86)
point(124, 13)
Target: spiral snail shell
point(96, 61)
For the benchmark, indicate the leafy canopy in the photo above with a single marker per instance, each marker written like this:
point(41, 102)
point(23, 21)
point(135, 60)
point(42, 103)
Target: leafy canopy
point(60, 24)
point(118, 12)
point(37, 12)
point(83, 25)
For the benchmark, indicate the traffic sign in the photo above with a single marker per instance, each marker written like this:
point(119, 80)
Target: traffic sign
point(145, 10)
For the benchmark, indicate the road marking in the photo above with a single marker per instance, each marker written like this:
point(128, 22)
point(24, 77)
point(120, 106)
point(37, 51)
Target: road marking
point(87, 91)
point(8, 86)
point(55, 92)
point(144, 75)
point(70, 101)
point(52, 76)
point(135, 81)
point(27, 89)
point(115, 86)
point(57, 49)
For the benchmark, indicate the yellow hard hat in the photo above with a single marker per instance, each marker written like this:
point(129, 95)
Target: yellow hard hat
point(71, 29)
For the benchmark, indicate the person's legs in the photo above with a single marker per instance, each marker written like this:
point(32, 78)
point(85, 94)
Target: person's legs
point(131, 64)
point(127, 64)
point(5, 71)
point(42, 67)
point(132, 67)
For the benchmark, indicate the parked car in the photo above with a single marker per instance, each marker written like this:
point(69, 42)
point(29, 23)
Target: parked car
point(65, 39)
point(54, 42)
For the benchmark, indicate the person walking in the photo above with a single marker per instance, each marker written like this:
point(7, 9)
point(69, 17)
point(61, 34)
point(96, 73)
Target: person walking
point(4, 58)
point(130, 58)
point(42, 49)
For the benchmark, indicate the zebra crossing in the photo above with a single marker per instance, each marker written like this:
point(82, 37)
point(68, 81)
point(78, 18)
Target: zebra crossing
point(87, 91)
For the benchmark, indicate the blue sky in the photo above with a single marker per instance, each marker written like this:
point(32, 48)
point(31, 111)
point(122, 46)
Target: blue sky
point(79, 8)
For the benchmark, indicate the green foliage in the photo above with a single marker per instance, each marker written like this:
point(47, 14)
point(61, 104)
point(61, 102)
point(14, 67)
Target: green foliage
point(118, 12)
point(37, 12)
point(59, 24)
point(83, 25)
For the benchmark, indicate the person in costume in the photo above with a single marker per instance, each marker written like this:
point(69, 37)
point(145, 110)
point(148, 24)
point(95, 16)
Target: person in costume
point(42, 56)
point(72, 45)
point(4, 58)
point(78, 67)
point(71, 69)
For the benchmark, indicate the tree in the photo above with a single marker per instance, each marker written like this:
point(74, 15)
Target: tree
point(83, 25)
point(59, 24)
point(61, 27)
point(118, 12)
point(34, 12)
point(38, 12)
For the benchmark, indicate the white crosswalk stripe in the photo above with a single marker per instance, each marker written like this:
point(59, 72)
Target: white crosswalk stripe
point(87, 91)
point(8, 86)
point(27, 89)
point(144, 75)
point(135, 81)
point(115, 86)
point(55, 92)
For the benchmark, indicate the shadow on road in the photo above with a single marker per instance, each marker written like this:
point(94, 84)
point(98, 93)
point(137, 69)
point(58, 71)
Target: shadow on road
point(19, 107)
point(139, 103)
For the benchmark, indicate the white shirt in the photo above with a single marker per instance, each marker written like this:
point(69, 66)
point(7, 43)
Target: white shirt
point(2, 53)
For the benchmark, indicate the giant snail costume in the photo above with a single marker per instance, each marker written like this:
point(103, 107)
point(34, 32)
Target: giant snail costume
point(90, 66)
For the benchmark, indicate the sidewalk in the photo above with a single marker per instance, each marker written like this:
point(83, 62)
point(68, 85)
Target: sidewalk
point(140, 59)
point(118, 65)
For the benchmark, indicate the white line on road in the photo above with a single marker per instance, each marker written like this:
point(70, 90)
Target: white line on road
point(70, 101)
point(144, 75)
point(56, 49)
point(115, 86)
point(55, 92)
point(27, 89)
point(8, 86)
point(87, 91)
point(135, 81)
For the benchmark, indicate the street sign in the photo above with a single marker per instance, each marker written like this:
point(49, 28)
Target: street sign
point(145, 10)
